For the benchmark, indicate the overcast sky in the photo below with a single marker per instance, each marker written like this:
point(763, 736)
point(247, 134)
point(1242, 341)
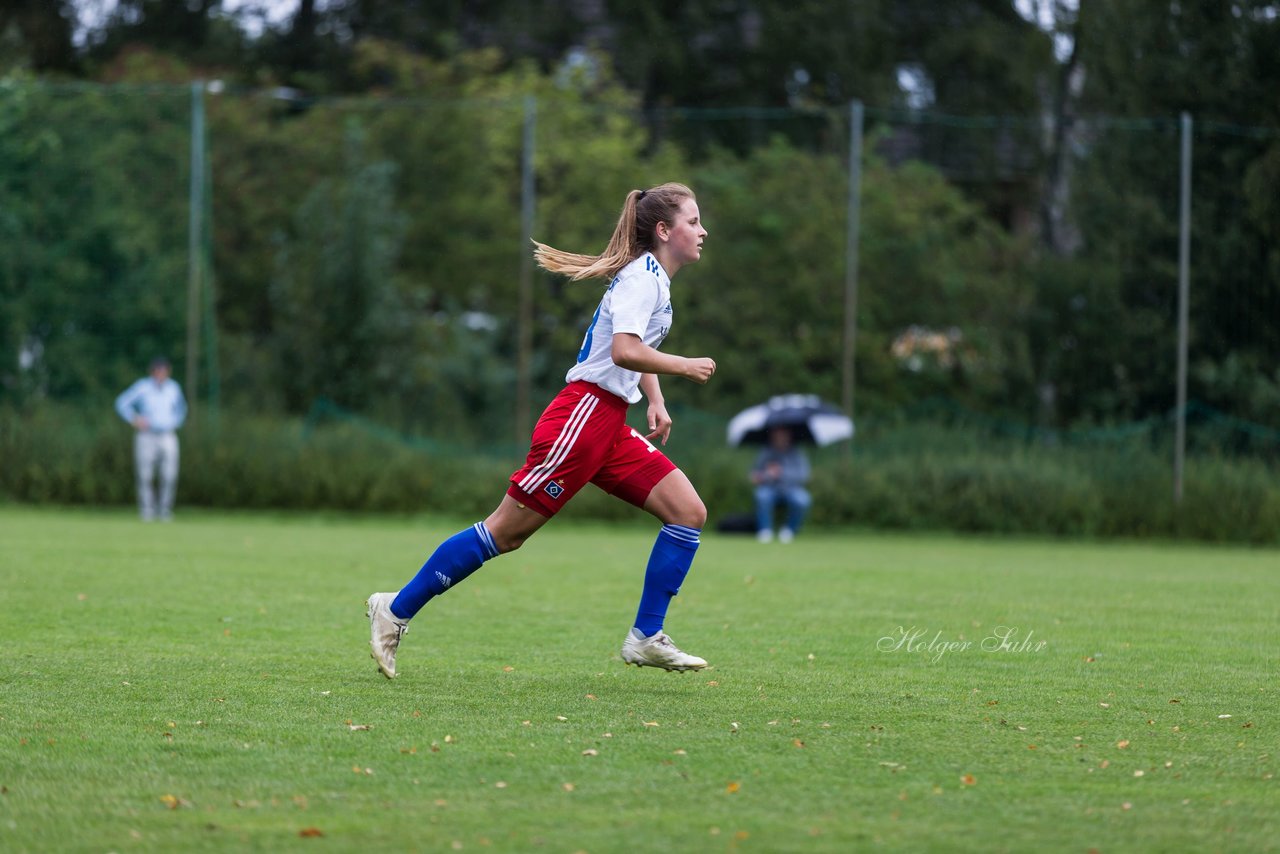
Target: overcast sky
point(272, 12)
point(92, 13)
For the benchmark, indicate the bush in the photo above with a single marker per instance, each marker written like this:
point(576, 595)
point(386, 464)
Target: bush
point(915, 477)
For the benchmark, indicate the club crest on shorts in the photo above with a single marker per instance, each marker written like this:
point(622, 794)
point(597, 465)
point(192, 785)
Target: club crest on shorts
point(554, 489)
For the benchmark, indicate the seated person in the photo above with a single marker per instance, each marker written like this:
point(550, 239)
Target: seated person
point(780, 474)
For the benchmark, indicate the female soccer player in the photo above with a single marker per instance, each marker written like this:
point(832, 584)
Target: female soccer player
point(582, 437)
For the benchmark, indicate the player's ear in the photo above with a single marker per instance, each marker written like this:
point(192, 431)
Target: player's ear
point(663, 231)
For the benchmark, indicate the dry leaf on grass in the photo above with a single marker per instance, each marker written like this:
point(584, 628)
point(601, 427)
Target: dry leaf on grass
point(969, 780)
point(310, 832)
point(733, 787)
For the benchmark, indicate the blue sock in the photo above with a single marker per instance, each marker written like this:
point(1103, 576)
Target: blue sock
point(454, 559)
point(668, 565)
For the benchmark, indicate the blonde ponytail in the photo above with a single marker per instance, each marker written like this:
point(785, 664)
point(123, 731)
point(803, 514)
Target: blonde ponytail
point(633, 235)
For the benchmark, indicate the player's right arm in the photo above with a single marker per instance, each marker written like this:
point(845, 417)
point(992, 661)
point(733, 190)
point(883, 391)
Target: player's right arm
point(125, 405)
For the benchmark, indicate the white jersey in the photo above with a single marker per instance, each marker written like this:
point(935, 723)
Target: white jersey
point(638, 301)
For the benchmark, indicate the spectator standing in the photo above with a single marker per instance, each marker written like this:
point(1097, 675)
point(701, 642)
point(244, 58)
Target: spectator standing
point(156, 408)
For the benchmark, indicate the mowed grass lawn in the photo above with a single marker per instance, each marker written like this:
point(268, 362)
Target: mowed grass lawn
point(206, 685)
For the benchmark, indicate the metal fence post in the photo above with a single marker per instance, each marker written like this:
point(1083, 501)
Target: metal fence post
point(195, 244)
point(524, 318)
point(1184, 291)
point(851, 255)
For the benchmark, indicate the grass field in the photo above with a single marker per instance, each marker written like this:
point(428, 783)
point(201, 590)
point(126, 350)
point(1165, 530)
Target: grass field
point(206, 685)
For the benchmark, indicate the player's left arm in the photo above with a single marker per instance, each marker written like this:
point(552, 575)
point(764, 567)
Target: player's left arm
point(659, 420)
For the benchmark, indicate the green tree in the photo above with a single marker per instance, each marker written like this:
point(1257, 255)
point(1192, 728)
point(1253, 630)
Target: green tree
point(770, 298)
point(36, 35)
point(332, 291)
point(93, 224)
point(1144, 62)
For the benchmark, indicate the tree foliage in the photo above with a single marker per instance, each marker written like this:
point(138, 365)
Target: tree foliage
point(366, 160)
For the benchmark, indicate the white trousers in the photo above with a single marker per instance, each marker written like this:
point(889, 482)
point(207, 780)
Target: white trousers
point(152, 452)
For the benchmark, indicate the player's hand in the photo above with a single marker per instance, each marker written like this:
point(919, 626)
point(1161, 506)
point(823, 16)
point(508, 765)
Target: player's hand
point(659, 423)
point(700, 370)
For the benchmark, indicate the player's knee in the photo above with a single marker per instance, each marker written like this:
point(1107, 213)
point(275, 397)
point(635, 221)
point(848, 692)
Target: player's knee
point(691, 514)
point(509, 542)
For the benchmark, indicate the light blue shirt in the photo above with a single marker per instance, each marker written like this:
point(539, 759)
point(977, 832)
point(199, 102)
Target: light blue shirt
point(162, 404)
point(793, 462)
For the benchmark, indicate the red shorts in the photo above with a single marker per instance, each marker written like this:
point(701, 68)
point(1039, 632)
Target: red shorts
point(582, 437)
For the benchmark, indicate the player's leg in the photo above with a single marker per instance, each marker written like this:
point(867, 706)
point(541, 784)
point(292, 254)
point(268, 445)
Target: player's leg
point(454, 560)
point(168, 474)
point(451, 562)
point(797, 501)
point(504, 530)
point(676, 503)
point(641, 475)
point(564, 452)
point(144, 460)
point(766, 502)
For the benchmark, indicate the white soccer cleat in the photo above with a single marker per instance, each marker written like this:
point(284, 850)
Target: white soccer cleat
point(386, 629)
point(657, 651)
point(764, 535)
point(786, 535)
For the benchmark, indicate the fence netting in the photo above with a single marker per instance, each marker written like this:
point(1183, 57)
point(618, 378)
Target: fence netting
point(368, 254)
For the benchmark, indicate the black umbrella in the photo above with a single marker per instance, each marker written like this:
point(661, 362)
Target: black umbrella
point(810, 418)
